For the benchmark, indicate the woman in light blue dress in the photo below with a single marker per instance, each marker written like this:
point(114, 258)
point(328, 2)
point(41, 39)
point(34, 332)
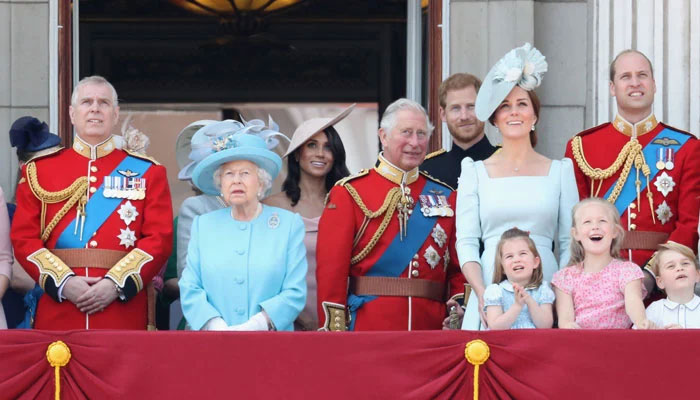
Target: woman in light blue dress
point(515, 187)
point(246, 264)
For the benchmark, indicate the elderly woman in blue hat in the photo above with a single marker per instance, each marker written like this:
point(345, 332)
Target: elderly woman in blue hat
point(516, 186)
point(246, 264)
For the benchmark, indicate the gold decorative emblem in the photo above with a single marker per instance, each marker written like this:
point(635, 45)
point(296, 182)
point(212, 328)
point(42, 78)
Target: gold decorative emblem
point(664, 183)
point(663, 212)
point(431, 257)
point(439, 235)
point(664, 141)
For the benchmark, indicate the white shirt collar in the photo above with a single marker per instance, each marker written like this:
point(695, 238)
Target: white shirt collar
point(691, 305)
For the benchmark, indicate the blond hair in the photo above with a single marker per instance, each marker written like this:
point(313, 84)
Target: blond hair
point(683, 250)
point(578, 254)
point(499, 273)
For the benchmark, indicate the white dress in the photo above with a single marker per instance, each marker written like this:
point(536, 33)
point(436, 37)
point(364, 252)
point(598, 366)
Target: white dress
point(487, 207)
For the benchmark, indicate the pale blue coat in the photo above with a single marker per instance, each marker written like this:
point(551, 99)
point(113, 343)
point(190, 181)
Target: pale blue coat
point(235, 269)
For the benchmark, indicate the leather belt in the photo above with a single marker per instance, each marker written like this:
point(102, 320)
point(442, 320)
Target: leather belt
point(402, 287)
point(646, 240)
point(106, 259)
point(94, 258)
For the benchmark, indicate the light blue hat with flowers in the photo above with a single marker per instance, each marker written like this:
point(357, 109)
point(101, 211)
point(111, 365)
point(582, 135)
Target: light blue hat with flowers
point(250, 140)
point(523, 66)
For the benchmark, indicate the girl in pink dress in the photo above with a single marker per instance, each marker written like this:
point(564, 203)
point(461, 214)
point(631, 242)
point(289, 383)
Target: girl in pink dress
point(597, 290)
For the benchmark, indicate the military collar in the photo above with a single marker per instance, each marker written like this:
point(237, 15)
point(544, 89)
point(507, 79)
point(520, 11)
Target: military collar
point(640, 128)
point(93, 152)
point(478, 151)
point(394, 173)
point(692, 304)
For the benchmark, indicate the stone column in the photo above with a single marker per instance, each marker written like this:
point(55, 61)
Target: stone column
point(24, 73)
point(668, 32)
point(482, 31)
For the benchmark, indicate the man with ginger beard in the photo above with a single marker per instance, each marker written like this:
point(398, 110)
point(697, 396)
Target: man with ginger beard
point(649, 170)
point(457, 96)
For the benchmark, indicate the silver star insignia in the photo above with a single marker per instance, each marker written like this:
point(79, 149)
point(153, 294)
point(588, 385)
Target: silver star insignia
point(127, 237)
point(439, 235)
point(663, 212)
point(664, 183)
point(127, 212)
point(431, 257)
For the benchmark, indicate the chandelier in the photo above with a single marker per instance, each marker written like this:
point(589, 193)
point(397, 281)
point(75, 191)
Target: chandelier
point(241, 17)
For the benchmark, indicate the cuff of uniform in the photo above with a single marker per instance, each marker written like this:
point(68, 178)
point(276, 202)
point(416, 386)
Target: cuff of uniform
point(335, 317)
point(126, 273)
point(53, 272)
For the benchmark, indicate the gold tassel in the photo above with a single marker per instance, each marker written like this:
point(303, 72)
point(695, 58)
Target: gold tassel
point(477, 352)
point(58, 355)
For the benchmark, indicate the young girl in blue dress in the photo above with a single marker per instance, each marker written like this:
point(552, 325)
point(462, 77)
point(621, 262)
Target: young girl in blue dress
point(522, 299)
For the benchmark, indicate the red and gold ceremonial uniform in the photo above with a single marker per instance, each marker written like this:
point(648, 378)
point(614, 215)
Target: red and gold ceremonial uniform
point(364, 217)
point(667, 209)
point(51, 191)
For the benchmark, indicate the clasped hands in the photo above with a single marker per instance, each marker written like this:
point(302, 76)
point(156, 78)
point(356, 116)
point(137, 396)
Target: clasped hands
point(257, 322)
point(89, 294)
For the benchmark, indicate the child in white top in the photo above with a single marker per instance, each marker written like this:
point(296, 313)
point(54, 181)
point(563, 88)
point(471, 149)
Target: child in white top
point(522, 300)
point(677, 271)
point(597, 290)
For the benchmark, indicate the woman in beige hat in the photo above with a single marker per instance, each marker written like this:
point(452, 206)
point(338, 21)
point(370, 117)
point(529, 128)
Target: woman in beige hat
point(315, 162)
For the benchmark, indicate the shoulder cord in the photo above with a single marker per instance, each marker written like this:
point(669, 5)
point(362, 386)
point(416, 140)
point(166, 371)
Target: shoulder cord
point(631, 154)
point(73, 193)
point(390, 202)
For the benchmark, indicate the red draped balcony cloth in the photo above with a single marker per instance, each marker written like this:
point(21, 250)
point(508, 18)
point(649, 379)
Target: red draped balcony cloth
point(537, 364)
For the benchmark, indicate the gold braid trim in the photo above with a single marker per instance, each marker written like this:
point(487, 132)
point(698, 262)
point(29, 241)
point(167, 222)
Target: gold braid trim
point(72, 193)
point(390, 202)
point(630, 151)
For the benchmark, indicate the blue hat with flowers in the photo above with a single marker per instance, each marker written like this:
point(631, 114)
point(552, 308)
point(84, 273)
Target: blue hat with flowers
point(28, 134)
point(523, 66)
point(250, 140)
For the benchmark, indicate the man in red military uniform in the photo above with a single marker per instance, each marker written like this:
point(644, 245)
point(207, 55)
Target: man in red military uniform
point(649, 170)
point(93, 223)
point(385, 252)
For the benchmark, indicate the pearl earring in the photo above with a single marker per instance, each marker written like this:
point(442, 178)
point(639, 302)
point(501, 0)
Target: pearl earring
point(533, 128)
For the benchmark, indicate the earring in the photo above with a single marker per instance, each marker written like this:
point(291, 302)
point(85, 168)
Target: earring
point(533, 128)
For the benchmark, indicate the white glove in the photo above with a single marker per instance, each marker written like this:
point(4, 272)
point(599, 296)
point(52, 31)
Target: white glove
point(257, 322)
point(215, 324)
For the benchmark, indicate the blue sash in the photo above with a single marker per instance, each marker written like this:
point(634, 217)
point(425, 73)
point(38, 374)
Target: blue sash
point(99, 208)
point(399, 253)
point(629, 190)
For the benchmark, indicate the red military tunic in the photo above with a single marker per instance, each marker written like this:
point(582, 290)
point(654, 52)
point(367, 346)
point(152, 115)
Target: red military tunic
point(343, 221)
point(147, 237)
point(674, 213)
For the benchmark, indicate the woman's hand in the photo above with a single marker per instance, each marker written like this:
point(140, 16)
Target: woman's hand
point(673, 326)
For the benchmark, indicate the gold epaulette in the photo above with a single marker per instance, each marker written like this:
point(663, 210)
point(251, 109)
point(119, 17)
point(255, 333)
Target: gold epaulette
point(343, 181)
point(48, 153)
point(129, 266)
point(591, 130)
point(434, 179)
point(435, 154)
point(71, 195)
point(142, 156)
